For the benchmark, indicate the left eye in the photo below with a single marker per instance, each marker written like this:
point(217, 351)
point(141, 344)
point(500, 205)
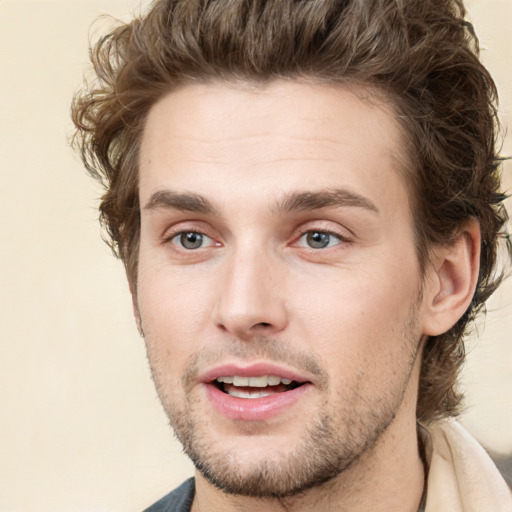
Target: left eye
point(191, 240)
point(319, 239)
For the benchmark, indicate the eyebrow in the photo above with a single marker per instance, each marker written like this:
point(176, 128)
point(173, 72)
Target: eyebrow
point(295, 201)
point(305, 201)
point(180, 201)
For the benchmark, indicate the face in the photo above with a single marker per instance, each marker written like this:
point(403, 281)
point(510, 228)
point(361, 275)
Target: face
point(278, 286)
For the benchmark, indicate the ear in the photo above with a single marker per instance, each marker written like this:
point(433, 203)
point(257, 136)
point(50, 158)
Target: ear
point(452, 281)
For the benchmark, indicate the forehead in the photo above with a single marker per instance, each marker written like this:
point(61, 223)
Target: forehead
point(284, 134)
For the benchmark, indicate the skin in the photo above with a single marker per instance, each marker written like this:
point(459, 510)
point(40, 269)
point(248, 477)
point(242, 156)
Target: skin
point(349, 318)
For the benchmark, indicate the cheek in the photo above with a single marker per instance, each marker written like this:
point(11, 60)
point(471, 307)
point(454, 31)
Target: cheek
point(171, 295)
point(360, 315)
point(174, 308)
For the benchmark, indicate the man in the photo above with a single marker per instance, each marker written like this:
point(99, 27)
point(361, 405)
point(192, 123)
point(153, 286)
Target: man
point(305, 194)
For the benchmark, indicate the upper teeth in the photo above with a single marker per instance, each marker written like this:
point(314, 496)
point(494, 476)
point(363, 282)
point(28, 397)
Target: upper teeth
point(257, 382)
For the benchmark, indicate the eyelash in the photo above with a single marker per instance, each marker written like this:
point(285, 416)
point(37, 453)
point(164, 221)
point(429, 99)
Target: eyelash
point(183, 233)
point(330, 233)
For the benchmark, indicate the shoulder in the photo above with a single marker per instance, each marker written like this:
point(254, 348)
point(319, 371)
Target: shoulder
point(179, 500)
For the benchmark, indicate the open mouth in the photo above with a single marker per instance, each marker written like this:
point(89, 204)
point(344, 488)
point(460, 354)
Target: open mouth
point(254, 387)
point(255, 392)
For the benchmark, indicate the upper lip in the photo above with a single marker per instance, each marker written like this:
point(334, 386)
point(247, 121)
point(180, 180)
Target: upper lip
point(251, 370)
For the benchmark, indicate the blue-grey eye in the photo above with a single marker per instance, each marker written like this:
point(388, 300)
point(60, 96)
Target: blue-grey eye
point(190, 240)
point(319, 239)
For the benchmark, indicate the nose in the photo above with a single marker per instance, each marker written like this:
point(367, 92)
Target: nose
point(251, 301)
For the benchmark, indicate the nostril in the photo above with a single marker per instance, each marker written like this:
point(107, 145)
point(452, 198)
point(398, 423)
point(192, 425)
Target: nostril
point(263, 324)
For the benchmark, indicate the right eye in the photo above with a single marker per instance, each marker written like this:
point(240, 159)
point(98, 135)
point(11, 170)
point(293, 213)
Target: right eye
point(318, 239)
point(191, 240)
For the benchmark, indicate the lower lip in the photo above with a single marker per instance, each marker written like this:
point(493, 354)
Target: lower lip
point(254, 409)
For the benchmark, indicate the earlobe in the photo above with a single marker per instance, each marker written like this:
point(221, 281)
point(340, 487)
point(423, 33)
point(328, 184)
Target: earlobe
point(453, 279)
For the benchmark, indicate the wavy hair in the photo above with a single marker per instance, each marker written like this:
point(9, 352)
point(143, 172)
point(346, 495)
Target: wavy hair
point(422, 55)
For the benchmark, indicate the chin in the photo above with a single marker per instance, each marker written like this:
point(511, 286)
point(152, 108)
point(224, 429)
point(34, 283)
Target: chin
point(276, 466)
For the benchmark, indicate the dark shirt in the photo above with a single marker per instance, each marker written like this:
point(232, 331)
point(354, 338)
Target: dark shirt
point(179, 500)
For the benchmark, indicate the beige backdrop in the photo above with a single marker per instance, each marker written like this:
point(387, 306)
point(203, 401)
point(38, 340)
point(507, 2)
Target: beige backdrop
point(81, 428)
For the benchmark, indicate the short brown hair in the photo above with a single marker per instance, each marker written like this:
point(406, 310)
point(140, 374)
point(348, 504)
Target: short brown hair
point(422, 55)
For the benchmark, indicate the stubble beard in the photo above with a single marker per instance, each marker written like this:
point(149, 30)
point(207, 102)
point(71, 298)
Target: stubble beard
point(333, 442)
point(325, 452)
